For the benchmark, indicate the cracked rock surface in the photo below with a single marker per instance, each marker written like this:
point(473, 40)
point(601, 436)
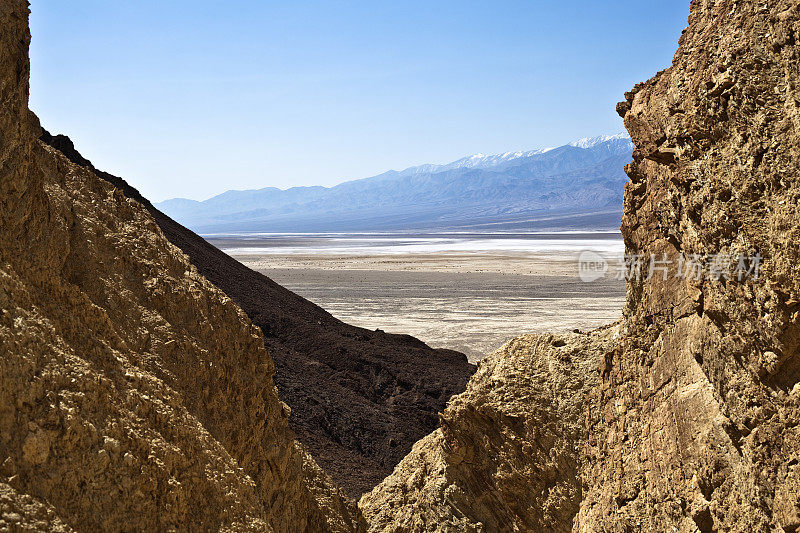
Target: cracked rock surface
point(507, 455)
point(692, 424)
point(134, 395)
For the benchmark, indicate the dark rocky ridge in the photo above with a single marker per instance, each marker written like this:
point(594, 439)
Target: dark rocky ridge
point(359, 398)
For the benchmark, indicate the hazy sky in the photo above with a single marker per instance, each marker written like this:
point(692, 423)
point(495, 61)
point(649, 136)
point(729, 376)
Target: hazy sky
point(192, 98)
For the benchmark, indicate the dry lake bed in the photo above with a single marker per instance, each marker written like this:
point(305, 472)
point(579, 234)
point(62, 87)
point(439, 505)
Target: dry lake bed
point(471, 293)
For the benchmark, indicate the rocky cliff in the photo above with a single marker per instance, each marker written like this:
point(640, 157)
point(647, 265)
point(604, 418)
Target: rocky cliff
point(693, 422)
point(506, 456)
point(696, 425)
point(359, 398)
point(134, 394)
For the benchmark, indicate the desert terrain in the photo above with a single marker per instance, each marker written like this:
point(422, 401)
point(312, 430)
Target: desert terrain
point(472, 300)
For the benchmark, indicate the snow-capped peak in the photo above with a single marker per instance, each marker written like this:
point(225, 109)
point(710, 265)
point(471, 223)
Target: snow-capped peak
point(483, 160)
point(488, 161)
point(589, 142)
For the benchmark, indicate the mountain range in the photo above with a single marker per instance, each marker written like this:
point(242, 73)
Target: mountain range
point(575, 186)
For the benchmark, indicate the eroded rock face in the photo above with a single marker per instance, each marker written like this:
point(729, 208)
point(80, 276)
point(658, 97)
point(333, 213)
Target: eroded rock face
point(133, 393)
point(359, 398)
point(693, 425)
point(699, 406)
point(507, 455)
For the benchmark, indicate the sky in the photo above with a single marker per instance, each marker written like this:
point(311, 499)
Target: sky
point(193, 98)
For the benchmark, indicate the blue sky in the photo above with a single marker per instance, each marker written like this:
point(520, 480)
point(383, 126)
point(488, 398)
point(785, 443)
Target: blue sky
point(192, 98)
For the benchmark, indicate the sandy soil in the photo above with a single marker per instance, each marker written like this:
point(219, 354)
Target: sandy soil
point(473, 302)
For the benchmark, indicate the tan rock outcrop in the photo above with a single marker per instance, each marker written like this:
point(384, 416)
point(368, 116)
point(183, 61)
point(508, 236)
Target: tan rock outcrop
point(507, 456)
point(134, 395)
point(693, 425)
point(698, 411)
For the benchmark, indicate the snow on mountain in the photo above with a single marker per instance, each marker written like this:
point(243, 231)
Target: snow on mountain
point(591, 142)
point(489, 161)
point(486, 161)
point(473, 161)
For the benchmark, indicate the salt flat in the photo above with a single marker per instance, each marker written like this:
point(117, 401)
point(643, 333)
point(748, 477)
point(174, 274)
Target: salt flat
point(472, 301)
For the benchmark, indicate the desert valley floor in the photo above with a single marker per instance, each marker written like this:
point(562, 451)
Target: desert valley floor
point(468, 294)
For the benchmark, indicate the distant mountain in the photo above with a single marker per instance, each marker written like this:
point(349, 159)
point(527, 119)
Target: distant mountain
point(575, 186)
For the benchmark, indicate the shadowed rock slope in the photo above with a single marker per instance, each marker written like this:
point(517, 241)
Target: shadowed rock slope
point(506, 457)
point(359, 398)
point(134, 395)
point(694, 422)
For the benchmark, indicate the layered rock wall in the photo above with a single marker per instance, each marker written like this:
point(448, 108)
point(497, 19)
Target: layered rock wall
point(693, 423)
point(507, 455)
point(697, 416)
point(134, 395)
point(359, 398)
